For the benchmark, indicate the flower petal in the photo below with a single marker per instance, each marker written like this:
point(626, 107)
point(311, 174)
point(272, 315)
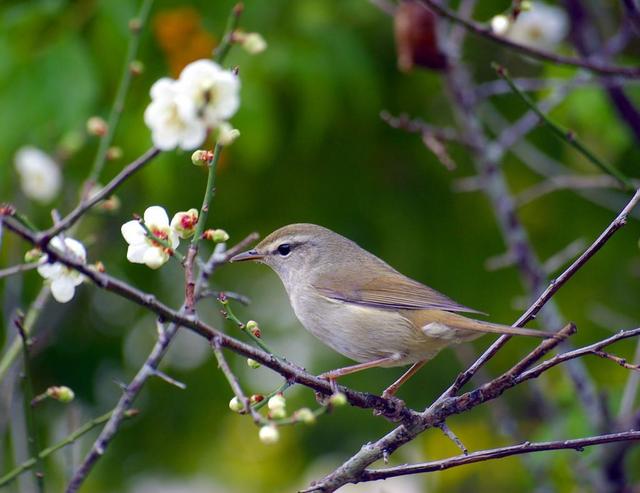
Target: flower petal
point(50, 271)
point(156, 216)
point(76, 249)
point(63, 289)
point(155, 257)
point(192, 136)
point(163, 88)
point(135, 253)
point(133, 232)
point(174, 240)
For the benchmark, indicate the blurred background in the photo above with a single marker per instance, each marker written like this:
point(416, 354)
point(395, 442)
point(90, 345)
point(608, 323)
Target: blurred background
point(313, 148)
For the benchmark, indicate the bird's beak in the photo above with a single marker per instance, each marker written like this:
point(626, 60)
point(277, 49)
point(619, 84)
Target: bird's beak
point(248, 255)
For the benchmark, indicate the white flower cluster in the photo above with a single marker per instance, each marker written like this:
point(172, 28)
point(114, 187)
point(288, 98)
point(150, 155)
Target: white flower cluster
point(541, 26)
point(153, 239)
point(183, 111)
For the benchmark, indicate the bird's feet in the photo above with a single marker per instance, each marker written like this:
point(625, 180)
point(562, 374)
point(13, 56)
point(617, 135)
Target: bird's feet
point(321, 398)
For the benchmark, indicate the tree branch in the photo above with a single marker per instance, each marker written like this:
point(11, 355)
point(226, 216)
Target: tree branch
point(524, 448)
point(485, 32)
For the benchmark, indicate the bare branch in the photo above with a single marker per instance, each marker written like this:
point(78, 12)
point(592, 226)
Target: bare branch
point(17, 269)
point(485, 31)
point(233, 382)
point(577, 353)
point(86, 204)
point(524, 448)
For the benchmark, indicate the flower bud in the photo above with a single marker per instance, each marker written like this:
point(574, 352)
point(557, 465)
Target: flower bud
point(255, 398)
point(113, 153)
point(201, 157)
point(135, 25)
point(227, 134)
point(277, 402)
point(252, 326)
point(253, 363)
point(61, 393)
point(110, 204)
point(136, 67)
point(269, 434)
point(253, 43)
point(338, 399)
point(97, 126)
point(184, 223)
point(33, 255)
point(305, 415)
point(500, 24)
point(278, 413)
point(219, 236)
point(235, 405)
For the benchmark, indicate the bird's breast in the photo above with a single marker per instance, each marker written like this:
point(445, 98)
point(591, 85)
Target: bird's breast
point(362, 333)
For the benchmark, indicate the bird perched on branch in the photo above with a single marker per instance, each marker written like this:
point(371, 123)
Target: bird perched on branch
point(362, 307)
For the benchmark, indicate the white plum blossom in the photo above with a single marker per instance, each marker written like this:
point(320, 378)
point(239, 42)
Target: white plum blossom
point(145, 250)
point(542, 26)
point(63, 280)
point(40, 176)
point(182, 111)
point(207, 92)
point(168, 128)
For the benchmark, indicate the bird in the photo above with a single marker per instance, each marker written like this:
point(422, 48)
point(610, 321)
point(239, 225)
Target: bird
point(363, 308)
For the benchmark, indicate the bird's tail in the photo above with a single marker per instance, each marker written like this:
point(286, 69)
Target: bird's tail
point(456, 321)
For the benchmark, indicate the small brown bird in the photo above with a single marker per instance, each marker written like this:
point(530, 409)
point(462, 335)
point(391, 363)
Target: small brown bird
point(362, 307)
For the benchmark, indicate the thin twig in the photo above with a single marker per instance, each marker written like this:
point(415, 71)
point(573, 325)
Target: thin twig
point(135, 27)
point(453, 437)
point(485, 31)
point(560, 258)
point(32, 430)
point(419, 126)
point(234, 384)
point(565, 135)
point(630, 388)
point(524, 448)
point(577, 353)
point(17, 269)
point(34, 310)
point(221, 51)
point(565, 182)
point(209, 193)
point(86, 204)
point(71, 438)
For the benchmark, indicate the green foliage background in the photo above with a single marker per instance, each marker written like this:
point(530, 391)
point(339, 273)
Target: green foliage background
point(313, 149)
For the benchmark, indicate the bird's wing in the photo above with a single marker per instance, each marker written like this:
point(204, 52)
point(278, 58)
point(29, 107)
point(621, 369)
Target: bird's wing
point(391, 291)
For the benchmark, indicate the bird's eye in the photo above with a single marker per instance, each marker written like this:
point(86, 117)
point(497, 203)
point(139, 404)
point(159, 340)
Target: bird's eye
point(284, 249)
